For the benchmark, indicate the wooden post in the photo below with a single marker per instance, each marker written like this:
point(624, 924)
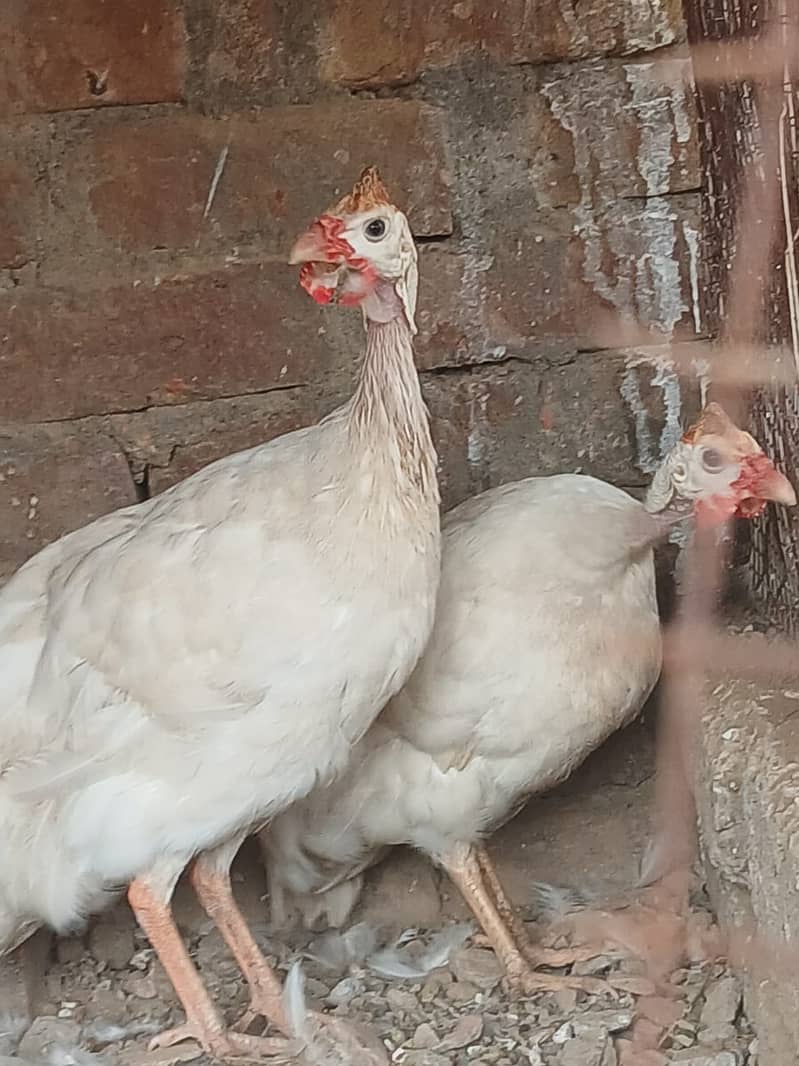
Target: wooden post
point(746, 61)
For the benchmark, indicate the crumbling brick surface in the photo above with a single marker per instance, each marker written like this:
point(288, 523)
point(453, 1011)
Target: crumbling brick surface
point(80, 53)
point(545, 155)
point(748, 791)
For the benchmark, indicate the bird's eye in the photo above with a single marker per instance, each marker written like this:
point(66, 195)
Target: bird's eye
point(375, 229)
point(712, 459)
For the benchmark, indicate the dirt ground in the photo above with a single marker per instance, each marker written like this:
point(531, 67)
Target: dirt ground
point(104, 993)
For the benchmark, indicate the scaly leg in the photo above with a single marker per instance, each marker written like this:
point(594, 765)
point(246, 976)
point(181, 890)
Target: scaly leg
point(536, 954)
point(210, 878)
point(203, 1022)
point(520, 976)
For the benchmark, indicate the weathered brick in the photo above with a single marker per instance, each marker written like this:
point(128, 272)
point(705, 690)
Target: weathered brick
point(606, 130)
point(609, 414)
point(236, 47)
point(165, 445)
point(633, 258)
point(172, 442)
point(604, 413)
point(54, 479)
point(241, 330)
point(443, 313)
point(132, 184)
point(385, 42)
point(87, 53)
point(22, 193)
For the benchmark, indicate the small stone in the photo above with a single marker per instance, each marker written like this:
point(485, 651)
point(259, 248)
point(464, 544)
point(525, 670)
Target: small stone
point(112, 943)
point(660, 1010)
point(425, 1058)
point(607, 1021)
point(596, 1050)
point(141, 960)
point(597, 964)
point(636, 986)
point(213, 955)
point(425, 1037)
point(566, 999)
point(398, 999)
point(434, 985)
point(563, 1033)
point(696, 1057)
point(722, 1001)
point(344, 991)
point(468, 1030)
point(632, 966)
point(478, 967)
point(69, 949)
point(162, 1056)
point(461, 992)
point(45, 1032)
point(630, 1055)
point(141, 985)
point(646, 1033)
point(315, 988)
point(716, 1036)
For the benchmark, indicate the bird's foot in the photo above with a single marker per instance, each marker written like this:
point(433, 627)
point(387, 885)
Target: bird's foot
point(541, 956)
point(526, 981)
point(250, 1015)
point(226, 1043)
point(346, 1041)
point(538, 955)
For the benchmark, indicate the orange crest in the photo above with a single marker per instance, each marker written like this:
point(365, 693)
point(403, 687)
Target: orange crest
point(714, 421)
point(368, 192)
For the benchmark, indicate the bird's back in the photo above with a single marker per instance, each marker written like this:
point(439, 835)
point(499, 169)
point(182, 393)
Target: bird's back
point(212, 642)
point(543, 581)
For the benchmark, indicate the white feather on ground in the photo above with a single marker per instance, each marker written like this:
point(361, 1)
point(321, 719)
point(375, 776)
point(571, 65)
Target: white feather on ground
point(407, 958)
point(333, 1044)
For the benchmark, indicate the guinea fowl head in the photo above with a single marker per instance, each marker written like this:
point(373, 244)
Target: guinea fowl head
point(720, 472)
point(361, 252)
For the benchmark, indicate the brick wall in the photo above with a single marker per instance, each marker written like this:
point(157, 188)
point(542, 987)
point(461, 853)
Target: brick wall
point(545, 152)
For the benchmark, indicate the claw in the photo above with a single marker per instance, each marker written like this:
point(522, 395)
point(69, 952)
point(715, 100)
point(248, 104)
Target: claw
point(225, 1043)
point(528, 982)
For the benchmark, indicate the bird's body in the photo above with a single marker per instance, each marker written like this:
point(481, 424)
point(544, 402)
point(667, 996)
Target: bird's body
point(195, 663)
point(178, 672)
point(547, 585)
point(546, 641)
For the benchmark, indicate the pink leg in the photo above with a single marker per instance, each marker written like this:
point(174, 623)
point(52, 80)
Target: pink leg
point(521, 976)
point(214, 892)
point(203, 1022)
point(536, 955)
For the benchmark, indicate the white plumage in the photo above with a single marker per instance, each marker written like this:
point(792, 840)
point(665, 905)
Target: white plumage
point(546, 640)
point(176, 673)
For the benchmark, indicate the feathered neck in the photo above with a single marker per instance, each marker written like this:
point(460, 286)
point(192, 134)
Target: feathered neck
point(661, 489)
point(388, 419)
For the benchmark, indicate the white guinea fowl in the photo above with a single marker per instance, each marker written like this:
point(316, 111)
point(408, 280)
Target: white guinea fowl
point(176, 673)
point(546, 640)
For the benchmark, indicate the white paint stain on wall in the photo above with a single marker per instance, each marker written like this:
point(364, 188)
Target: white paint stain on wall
point(624, 146)
point(476, 441)
point(651, 125)
point(649, 452)
point(692, 243)
point(645, 20)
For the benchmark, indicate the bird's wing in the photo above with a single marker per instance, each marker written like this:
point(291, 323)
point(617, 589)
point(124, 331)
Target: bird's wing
point(180, 613)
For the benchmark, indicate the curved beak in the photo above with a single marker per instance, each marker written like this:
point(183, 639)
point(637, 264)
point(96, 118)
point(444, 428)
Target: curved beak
point(311, 247)
point(772, 485)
